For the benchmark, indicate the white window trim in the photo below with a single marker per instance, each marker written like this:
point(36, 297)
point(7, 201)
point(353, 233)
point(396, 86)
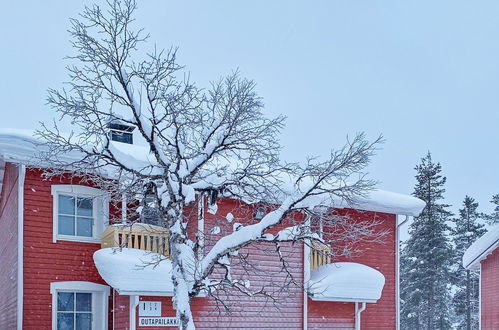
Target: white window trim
point(100, 209)
point(100, 297)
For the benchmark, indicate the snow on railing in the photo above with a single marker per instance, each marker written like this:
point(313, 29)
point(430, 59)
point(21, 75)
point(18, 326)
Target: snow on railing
point(137, 236)
point(320, 255)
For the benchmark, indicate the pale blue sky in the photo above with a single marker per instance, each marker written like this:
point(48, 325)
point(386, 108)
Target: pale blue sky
point(425, 74)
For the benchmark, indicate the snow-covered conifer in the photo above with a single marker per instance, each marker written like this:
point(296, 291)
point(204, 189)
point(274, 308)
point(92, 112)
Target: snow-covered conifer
point(467, 230)
point(493, 218)
point(427, 255)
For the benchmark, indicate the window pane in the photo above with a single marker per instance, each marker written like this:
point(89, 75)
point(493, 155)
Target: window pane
point(83, 302)
point(66, 225)
point(65, 321)
point(84, 321)
point(66, 204)
point(84, 227)
point(65, 301)
point(85, 206)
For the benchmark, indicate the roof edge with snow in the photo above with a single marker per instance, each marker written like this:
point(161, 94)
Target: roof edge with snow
point(481, 248)
point(20, 146)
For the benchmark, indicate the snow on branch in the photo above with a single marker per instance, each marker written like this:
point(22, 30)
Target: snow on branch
point(188, 142)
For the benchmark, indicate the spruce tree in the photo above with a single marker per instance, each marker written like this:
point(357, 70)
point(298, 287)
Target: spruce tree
point(493, 218)
point(427, 256)
point(467, 230)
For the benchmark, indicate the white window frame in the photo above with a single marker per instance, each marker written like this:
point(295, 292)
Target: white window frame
point(100, 297)
point(100, 211)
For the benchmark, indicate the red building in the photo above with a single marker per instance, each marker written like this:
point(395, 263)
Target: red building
point(483, 255)
point(60, 271)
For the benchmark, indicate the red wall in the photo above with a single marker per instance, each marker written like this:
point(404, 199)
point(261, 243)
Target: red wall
point(121, 311)
point(8, 248)
point(381, 315)
point(257, 311)
point(330, 315)
point(44, 261)
point(490, 291)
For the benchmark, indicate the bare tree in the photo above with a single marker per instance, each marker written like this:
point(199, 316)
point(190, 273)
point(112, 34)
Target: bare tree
point(213, 141)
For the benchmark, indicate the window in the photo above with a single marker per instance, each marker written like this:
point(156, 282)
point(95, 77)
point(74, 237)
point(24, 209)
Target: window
point(79, 305)
point(74, 311)
point(80, 213)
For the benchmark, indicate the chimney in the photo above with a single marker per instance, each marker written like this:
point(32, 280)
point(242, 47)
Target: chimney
point(121, 132)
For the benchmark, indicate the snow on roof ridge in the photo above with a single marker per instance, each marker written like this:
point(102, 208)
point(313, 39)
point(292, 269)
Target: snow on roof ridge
point(20, 145)
point(481, 248)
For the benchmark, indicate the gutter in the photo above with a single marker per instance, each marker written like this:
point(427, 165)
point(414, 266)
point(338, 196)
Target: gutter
point(357, 314)
point(20, 244)
point(397, 270)
point(134, 301)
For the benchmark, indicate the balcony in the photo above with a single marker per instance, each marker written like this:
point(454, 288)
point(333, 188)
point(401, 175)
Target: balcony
point(320, 255)
point(137, 236)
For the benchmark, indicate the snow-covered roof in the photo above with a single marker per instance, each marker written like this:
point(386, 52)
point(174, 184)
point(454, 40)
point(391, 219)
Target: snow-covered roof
point(482, 247)
point(346, 281)
point(389, 202)
point(135, 272)
point(20, 146)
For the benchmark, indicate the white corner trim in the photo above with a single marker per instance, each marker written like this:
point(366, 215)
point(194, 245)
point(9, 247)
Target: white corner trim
point(480, 298)
point(99, 305)
point(306, 276)
point(101, 210)
point(20, 244)
point(397, 269)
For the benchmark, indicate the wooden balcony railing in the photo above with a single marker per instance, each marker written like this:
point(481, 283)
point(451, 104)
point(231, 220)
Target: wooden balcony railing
point(320, 254)
point(137, 236)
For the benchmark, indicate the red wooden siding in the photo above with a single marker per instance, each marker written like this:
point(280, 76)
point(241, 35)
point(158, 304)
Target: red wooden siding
point(44, 261)
point(381, 315)
point(330, 315)
point(253, 312)
point(8, 248)
point(121, 311)
point(490, 291)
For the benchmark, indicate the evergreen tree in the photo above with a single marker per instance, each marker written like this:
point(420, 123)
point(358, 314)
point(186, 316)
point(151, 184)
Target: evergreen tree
point(466, 231)
point(493, 218)
point(427, 256)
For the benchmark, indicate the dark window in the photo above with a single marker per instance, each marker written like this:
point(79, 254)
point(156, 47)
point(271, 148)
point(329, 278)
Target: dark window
point(74, 311)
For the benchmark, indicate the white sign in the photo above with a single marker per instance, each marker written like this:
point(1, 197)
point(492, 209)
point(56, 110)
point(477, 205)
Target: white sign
point(159, 321)
point(150, 308)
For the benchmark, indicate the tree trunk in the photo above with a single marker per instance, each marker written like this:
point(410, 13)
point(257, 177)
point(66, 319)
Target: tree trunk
point(182, 276)
point(430, 324)
point(181, 299)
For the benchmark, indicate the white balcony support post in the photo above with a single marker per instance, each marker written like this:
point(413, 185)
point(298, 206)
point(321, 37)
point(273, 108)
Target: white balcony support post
point(358, 310)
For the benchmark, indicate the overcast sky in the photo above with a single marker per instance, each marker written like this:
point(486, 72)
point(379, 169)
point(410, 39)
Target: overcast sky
point(425, 74)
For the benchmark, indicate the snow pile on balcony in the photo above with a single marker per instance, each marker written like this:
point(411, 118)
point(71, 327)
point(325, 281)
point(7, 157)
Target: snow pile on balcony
point(135, 272)
point(481, 248)
point(346, 281)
